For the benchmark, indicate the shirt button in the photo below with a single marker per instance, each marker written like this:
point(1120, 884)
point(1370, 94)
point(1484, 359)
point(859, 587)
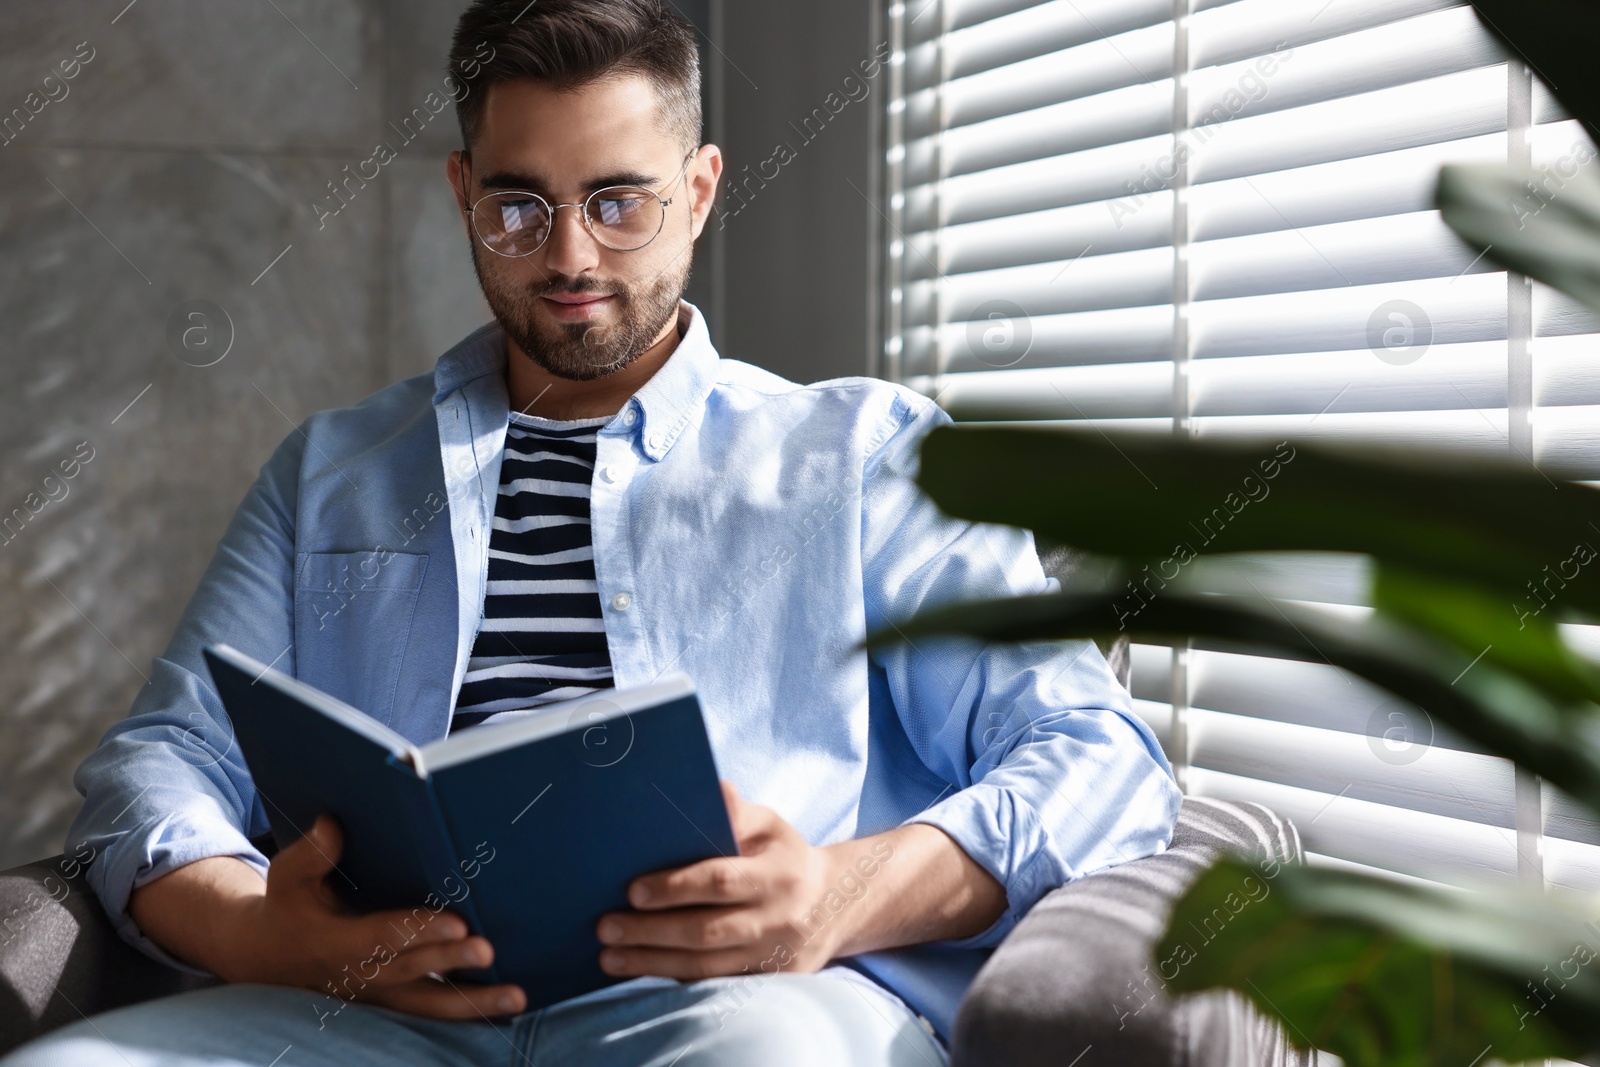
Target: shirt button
point(608, 472)
point(655, 442)
point(630, 416)
point(621, 601)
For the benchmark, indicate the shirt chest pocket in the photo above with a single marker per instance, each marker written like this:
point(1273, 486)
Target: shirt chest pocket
point(353, 614)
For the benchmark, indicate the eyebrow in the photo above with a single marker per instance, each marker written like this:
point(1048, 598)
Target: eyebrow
point(516, 179)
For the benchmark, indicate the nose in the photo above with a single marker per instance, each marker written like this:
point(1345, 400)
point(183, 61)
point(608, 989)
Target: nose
point(570, 249)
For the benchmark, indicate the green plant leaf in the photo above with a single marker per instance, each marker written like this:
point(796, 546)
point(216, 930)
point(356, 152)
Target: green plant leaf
point(1517, 636)
point(1161, 499)
point(1521, 721)
point(1538, 222)
point(1382, 973)
point(1556, 39)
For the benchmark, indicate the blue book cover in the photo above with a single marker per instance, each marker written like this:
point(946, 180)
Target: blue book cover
point(529, 829)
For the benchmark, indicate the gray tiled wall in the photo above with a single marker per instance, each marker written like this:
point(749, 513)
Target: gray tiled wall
point(182, 162)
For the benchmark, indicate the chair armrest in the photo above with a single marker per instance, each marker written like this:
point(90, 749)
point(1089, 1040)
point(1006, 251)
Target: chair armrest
point(1077, 983)
point(60, 957)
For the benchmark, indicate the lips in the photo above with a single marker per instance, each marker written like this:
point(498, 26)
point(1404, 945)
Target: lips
point(578, 307)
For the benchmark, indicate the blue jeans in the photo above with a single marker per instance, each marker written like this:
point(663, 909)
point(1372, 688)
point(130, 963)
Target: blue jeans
point(780, 1020)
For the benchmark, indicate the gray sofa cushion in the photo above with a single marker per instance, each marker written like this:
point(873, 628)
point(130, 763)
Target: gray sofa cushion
point(1075, 984)
point(60, 957)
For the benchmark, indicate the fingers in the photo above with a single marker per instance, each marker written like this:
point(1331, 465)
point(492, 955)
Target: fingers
point(442, 938)
point(388, 954)
point(427, 959)
point(419, 926)
point(388, 963)
point(701, 929)
point(719, 880)
point(450, 1000)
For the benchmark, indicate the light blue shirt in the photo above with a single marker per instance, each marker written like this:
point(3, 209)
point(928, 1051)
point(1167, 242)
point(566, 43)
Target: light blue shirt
point(748, 531)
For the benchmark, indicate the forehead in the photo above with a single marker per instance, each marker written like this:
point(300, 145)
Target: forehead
point(612, 124)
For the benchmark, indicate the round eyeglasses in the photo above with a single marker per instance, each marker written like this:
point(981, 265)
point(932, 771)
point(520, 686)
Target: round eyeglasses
point(623, 218)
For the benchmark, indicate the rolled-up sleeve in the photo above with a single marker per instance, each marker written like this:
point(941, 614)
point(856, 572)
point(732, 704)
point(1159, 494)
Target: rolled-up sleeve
point(166, 785)
point(1051, 775)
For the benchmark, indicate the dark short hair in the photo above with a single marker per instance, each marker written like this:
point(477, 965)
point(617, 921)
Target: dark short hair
point(567, 44)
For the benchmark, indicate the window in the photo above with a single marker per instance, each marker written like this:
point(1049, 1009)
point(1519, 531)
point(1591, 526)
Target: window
point(1215, 218)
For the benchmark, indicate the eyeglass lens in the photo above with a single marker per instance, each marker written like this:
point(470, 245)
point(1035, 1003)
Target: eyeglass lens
point(622, 219)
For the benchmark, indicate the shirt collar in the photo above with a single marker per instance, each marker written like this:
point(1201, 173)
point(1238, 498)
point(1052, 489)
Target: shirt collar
point(659, 412)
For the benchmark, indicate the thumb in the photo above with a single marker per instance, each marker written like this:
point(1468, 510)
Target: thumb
point(315, 854)
point(747, 821)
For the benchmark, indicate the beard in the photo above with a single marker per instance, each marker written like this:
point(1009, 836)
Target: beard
point(583, 351)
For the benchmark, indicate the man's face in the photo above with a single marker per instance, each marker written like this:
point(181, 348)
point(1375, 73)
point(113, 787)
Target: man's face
point(563, 146)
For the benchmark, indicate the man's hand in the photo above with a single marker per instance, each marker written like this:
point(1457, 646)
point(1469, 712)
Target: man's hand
point(217, 915)
point(730, 914)
point(786, 905)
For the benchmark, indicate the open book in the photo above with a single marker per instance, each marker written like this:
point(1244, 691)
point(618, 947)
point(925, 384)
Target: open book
point(529, 829)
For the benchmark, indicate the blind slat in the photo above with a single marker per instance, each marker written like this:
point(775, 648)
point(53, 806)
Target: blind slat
point(1383, 770)
point(1400, 53)
point(1565, 371)
point(1254, 27)
point(1364, 252)
point(1460, 310)
point(1433, 847)
point(1446, 377)
point(1120, 335)
point(1448, 108)
point(1324, 699)
point(1139, 57)
point(1050, 27)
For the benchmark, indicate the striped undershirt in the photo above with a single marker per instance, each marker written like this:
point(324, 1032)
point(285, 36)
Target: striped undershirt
point(543, 637)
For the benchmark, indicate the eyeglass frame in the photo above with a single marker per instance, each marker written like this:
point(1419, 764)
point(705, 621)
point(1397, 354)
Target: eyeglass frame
point(472, 211)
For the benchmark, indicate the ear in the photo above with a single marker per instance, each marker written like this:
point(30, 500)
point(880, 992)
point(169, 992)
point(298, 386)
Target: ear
point(456, 174)
point(705, 171)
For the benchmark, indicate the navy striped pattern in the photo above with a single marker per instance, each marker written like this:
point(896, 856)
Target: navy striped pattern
point(542, 637)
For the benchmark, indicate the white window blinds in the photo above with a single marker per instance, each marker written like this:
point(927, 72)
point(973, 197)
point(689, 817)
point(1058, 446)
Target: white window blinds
point(1215, 218)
